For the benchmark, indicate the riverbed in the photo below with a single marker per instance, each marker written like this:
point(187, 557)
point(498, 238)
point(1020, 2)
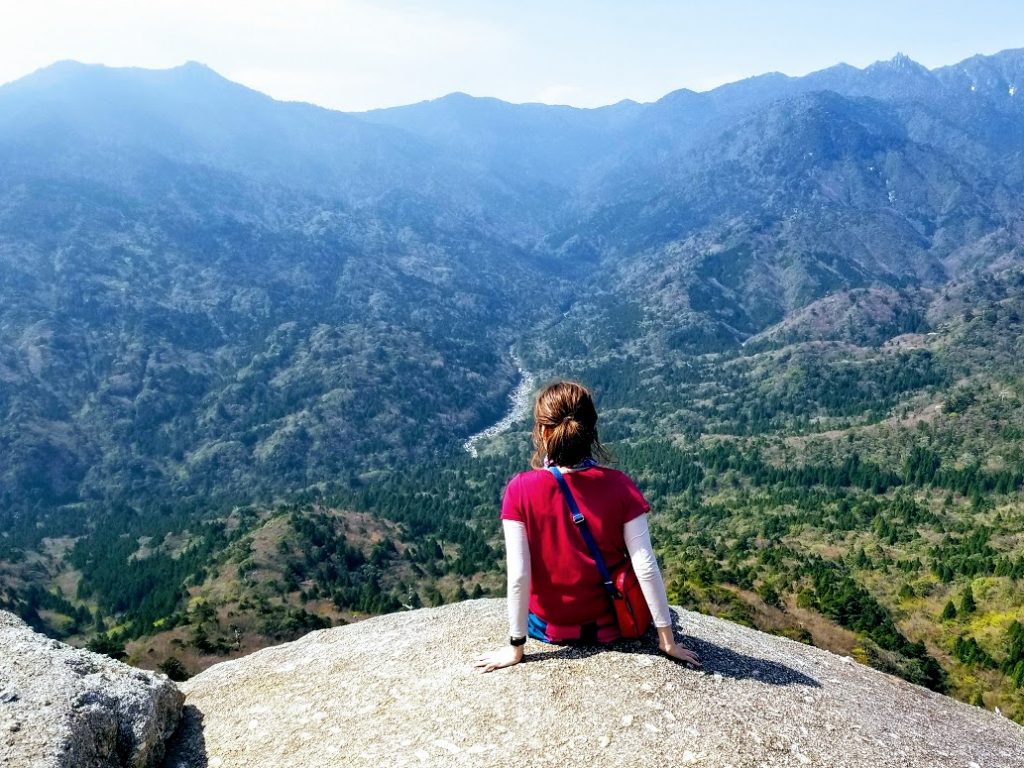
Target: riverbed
point(520, 400)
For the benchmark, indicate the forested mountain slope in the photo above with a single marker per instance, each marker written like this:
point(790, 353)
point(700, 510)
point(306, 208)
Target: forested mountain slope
point(207, 291)
point(242, 342)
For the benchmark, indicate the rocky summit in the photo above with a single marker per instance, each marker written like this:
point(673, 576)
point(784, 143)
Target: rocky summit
point(400, 690)
point(61, 707)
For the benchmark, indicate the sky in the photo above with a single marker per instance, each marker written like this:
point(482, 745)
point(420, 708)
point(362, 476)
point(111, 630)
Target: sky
point(356, 54)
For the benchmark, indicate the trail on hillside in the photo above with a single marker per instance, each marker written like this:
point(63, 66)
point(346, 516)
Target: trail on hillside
point(519, 408)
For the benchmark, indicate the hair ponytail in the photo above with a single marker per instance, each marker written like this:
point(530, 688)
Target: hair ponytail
point(566, 409)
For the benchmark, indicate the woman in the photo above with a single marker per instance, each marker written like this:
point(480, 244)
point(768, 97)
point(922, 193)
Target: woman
point(554, 591)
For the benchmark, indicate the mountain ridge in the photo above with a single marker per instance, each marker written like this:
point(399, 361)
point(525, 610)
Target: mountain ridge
point(229, 325)
point(1006, 61)
point(770, 186)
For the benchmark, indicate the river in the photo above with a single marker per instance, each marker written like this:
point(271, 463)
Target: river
point(519, 408)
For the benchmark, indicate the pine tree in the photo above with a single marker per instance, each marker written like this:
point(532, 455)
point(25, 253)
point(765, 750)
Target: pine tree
point(967, 604)
point(174, 669)
point(108, 646)
point(949, 612)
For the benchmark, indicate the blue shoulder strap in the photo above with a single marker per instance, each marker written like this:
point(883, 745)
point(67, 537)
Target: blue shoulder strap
point(581, 523)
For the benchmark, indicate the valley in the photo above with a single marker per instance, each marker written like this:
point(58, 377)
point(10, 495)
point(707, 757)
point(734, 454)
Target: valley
point(266, 368)
point(520, 404)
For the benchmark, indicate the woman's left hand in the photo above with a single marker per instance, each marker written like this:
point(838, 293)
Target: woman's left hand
point(503, 657)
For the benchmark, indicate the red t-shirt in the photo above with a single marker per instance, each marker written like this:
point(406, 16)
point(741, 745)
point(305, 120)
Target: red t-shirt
point(565, 586)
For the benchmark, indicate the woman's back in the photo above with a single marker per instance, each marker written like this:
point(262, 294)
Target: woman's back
point(566, 586)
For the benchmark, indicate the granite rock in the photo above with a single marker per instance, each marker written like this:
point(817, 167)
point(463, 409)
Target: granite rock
point(61, 706)
point(400, 690)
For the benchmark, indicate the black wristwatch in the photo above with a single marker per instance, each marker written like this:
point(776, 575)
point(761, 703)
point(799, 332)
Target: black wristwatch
point(515, 642)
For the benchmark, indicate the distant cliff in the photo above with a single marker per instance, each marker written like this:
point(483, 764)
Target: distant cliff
point(400, 690)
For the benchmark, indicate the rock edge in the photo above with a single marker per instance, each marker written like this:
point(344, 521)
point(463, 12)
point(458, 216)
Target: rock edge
point(61, 706)
point(400, 690)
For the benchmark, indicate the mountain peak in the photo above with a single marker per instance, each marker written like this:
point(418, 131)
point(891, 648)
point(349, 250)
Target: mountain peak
point(900, 63)
point(997, 73)
point(71, 72)
point(902, 60)
point(1006, 56)
point(195, 66)
point(53, 73)
point(196, 69)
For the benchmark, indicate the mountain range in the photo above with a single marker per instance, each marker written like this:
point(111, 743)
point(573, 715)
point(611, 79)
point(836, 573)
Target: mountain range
point(200, 281)
point(242, 338)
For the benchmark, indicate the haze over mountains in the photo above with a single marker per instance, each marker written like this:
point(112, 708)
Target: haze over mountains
point(199, 280)
point(242, 342)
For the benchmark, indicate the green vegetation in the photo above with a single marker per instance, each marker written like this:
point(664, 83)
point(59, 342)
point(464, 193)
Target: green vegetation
point(107, 645)
point(234, 392)
point(174, 669)
point(877, 539)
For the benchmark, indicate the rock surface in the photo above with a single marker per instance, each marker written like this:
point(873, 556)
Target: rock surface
point(400, 690)
point(60, 706)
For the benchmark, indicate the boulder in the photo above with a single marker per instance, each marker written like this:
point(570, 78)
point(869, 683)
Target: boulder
point(61, 706)
point(400, 690)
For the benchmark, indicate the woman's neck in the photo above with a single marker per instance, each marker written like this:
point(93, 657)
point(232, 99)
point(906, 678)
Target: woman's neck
point(587, 463)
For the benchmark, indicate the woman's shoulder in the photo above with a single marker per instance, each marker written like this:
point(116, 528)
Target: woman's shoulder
point(533, 477)
point(528, 478)
point(620, 485)
point(613, 475)
point(519, 490)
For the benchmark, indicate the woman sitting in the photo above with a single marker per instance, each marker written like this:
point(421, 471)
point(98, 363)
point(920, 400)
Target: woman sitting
point(555, 593)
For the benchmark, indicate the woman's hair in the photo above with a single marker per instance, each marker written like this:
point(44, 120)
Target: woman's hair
point(567, 410)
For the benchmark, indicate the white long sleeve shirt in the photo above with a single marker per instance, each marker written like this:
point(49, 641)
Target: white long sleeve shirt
point(641, 554)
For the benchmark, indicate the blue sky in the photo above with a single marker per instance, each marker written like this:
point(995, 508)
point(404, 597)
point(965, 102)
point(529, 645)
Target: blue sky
point(354, 55)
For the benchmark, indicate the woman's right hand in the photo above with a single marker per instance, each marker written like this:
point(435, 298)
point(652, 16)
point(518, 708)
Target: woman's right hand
point(667, 644)
point(682, 653)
